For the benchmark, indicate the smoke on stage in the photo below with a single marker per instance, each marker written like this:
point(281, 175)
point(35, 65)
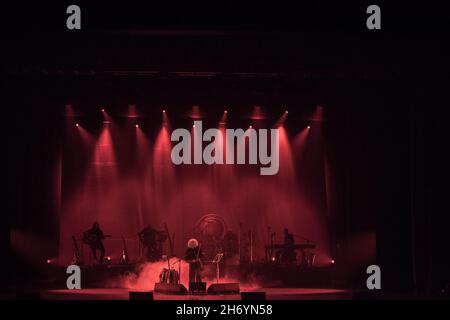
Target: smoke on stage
point(147, 274)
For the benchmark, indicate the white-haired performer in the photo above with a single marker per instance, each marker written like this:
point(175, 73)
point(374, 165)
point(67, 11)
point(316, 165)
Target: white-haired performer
point(194, 255)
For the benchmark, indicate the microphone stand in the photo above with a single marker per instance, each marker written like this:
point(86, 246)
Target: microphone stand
point(179, 268)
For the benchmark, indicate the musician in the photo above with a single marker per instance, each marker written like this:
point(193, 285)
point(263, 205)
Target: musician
point(94, 238)
point(288, 254)
point(194, 255)
point(288, 237)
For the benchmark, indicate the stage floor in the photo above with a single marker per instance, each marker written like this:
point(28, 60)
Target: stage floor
point(271, 294)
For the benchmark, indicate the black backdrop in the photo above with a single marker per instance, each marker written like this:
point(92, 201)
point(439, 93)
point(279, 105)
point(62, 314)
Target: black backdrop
point(385, 94)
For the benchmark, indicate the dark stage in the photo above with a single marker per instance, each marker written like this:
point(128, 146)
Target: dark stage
point(288, 151)
point(123, 294)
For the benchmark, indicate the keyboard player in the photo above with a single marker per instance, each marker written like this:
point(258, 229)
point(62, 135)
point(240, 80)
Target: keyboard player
point(287, 254)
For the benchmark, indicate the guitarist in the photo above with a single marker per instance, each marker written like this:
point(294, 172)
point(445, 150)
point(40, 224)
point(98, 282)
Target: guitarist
point(94, 238)
point(194, 255)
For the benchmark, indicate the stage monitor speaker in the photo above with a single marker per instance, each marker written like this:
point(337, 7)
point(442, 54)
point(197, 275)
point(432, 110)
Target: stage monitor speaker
point(256, 295)
point(197, 287)
point(170, 288)
point(224, 288)
point(32, 295)
point(140, 295)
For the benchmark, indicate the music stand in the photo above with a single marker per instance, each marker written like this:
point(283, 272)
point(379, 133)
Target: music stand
point(217, 260)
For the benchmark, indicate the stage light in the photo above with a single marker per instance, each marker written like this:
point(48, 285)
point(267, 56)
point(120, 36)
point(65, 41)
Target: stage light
point(332, 261)
point(132, 113)
point(223, 118)
point(49, 261)
point(258, 113)
point(103, 110)
point(308, 127)
point(281, 120)
point(164, 111)
point(137, 126)
point(250, 127)
point(77, 125)
point(193, 126)
point(273, 259)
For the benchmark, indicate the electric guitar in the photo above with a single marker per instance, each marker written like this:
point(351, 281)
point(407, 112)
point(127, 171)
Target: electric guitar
point(90, 238)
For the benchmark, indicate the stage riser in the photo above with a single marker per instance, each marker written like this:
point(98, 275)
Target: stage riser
point(101, 276)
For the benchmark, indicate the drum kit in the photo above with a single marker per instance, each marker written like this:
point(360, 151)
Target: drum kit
point(169, 274)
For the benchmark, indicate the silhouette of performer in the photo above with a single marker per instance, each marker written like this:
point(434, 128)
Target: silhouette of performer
point(194, 255)
point(288, 254)
point(94, 238)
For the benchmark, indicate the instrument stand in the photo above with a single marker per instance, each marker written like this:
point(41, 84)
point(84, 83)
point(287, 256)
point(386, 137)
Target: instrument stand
point(217, 260)
point(124, 256)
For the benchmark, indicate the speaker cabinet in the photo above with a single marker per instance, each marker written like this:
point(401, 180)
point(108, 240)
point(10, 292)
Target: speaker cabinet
point(224, 288)
point(170, 288)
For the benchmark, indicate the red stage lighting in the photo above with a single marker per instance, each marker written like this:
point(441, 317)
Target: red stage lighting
point(281, 120)
point(165, 119)
point(105, 115)
point(318, 114)
point(195, 113)
point(69, 110)
point(258, 113)
point(332, 261)
point(193, 126)
point(132, 113)
point(49, 261)
point(77, 125)
point(308, 127)
point(223, 119)
point(137, 126)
